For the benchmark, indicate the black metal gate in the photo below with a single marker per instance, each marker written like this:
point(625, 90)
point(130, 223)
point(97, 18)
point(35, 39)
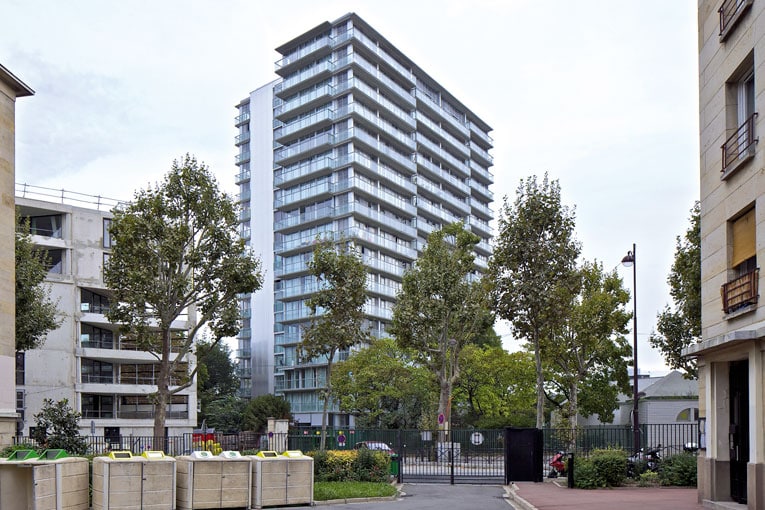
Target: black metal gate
point(457, 456)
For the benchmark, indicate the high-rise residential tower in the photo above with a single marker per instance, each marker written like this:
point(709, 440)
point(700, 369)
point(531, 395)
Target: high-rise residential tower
point(353, 140)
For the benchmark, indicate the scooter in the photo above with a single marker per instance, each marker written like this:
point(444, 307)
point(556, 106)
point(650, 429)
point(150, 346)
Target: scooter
point(650, 458)
point(557, 465)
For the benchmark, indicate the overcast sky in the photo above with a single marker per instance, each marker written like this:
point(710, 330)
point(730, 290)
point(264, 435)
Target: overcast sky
point(602, 95)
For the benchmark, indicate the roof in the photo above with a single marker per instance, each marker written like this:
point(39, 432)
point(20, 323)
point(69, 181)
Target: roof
point(18, 86)
point(673, 385)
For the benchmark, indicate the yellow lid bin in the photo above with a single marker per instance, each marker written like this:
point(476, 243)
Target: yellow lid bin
point(133, 482)
point(120, 455)
point(281, 480)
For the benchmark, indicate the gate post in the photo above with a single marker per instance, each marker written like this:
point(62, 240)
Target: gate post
point(451, 456)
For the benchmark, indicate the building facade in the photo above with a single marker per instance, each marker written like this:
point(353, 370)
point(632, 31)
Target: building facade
point(353, 141)
point(103, 376)
point(731, 354)
point(10, 88)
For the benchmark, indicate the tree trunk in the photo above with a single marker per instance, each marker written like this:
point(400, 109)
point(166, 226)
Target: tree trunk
point(327, 394)
point(540, 383)
point(573, 412)
point(163, 394)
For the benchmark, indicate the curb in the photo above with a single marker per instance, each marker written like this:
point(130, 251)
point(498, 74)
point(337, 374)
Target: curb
point(511, 494)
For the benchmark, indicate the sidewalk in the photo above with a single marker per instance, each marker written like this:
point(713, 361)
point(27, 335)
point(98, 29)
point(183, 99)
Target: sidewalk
point(550, 495)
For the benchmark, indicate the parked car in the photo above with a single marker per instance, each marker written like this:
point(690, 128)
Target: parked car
point(374, 445)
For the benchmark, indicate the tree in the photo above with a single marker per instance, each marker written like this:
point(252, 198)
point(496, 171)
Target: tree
point(56, 427)
point(35, 312)
point(535, 253)
point(225, 414)
point(337, 311)
point(384, 387)
point(216, 376)
point(495, 388)
point(263, 407)
point(680, 327)
point(440, 308)
point(177, 252)
point(587, 357)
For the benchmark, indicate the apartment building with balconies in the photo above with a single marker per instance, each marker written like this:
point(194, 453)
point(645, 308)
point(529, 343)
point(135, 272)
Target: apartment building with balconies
point(353, 140)
point(731, 354)
point(104, 376)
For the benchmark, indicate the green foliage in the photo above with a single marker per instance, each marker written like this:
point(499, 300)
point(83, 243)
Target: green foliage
point(649, 479)
point(217, 384)
point(225, 414)
point(325, 491)
point(590, 352)
point(533, 266)
point(350, 465)
point(611, 466)
point(8, 450)
point(680, 327)
point(177, 249)
point(679, 470)
point(383, 386)
point(263, 407)
point(35, 312)
point(56, 427)
point(587, 476)
point(439, 309)
point(495, 388)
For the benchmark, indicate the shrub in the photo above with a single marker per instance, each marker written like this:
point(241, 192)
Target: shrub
point(586, 475)
point(648, 479)
point(678, 470)
point(350, 466)
point(611, 466)
point(7, 451)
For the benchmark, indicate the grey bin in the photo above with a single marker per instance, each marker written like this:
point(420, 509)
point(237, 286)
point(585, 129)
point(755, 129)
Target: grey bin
point(208, 481)
point(37, 483)
point(126, 482)
point(279, 480)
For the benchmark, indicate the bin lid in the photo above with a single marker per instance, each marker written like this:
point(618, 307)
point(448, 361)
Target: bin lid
point(120, 455)
point(201, 454)
point(293, 453)
point(53, 453)
point(229, 454)
point(153, 454)
point(23, 455)
point(266, 454)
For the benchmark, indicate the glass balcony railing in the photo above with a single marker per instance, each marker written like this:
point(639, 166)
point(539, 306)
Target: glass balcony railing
point(381, 147)
point(291, 58)
point(443, 174)
point(314, 95)
point(379, 76)
point(483, 154)
point(386, 127)
point(435, 106)
point(303, 76)
point(303, 123)
point(303, 218)
point(387, 105)
point(438, 212)
point(391, 223)
point(242, 157)
point(384, 266)
point(242, 118)
point(481, 225)
point(474, 129)
point(283, 199)
point(301, 170)
point(482, 190)
point(484, 209)
point(306, 146)
point(437, 151)
point(241, 138)
point(455, 143)
point(243, 176)
point(481, 171)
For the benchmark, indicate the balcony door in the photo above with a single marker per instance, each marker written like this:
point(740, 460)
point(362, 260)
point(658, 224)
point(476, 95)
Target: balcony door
point(738, 433)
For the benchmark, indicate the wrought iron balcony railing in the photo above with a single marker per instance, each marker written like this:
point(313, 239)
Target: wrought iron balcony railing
point(740, 292)
point(740, 144)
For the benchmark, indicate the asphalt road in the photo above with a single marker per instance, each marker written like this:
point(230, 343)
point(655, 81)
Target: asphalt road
point(438, 497)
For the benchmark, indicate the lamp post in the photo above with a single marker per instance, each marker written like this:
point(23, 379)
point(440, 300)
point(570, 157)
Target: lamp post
point(629, 260)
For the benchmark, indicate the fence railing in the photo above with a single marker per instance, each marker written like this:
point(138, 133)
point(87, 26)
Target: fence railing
point(581, 441)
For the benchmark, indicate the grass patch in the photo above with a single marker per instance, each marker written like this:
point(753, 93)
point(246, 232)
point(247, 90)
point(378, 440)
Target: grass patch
point(323, 491)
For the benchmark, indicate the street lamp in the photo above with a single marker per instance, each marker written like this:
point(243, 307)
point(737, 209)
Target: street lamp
point(629, 260)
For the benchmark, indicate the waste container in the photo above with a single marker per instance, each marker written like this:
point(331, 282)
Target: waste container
point(279, 480)
point(39, 482)
point(205, 480)
point(127, 482)
point(394, 464)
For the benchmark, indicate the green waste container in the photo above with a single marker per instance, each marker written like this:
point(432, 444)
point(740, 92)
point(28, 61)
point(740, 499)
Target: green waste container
point(394, 464)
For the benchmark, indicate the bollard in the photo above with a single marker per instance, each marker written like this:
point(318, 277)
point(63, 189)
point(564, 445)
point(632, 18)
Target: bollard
point(570, 470)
